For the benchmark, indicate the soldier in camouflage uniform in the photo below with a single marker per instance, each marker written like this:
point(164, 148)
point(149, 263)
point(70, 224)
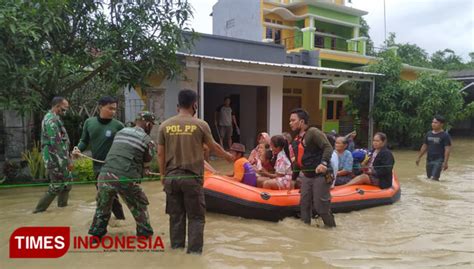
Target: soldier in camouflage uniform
point(55, 151)
point(127, 161)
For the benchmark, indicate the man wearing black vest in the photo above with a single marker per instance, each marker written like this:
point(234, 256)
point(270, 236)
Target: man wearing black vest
point(312, 158)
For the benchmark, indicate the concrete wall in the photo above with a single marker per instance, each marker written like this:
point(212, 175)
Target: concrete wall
point(311, 97)
point(237, 18)
point(17, 134)
point(227, 47)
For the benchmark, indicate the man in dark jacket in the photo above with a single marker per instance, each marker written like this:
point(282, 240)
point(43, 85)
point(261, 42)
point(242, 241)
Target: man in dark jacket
point(312, 159)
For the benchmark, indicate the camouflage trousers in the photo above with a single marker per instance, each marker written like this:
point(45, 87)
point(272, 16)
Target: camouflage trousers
point(131, 194)
point(59, 186)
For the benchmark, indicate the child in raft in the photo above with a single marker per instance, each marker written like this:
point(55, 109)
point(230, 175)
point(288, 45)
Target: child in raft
point(243, 170)
point(265, 156)
point(262, 138)
point(281, 178)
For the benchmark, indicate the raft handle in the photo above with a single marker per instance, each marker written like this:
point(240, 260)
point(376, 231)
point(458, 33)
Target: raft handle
point(360, 191)
point(265, 195)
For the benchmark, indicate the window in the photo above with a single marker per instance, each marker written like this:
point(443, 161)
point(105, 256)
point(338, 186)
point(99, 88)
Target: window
point(334, 109)
point(333, 43)
point(230, 23)
point(277, 36)
point(294, 91)
point(273, 33)
point(339, 107)
point(319, 42)
point(269, 33)
point(330, 110)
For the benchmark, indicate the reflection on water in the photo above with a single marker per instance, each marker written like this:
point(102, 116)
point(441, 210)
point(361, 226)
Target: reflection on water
point(431, 226)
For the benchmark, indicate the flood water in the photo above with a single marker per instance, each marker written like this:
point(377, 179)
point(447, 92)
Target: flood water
point(430, 227)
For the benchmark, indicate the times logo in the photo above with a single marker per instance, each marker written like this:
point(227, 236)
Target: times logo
point(39, 242)
point(54, 242)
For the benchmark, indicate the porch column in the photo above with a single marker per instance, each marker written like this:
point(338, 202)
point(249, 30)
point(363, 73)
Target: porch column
point(201, 91)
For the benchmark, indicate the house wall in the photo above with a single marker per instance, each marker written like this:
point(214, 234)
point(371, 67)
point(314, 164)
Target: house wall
point(229, 18)
point(333, 15)
point(311, 97)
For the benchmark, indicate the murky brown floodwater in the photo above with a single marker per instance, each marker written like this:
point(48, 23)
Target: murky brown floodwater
point(431, 226)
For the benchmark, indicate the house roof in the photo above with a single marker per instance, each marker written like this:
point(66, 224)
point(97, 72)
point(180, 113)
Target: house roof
point(294, 70)
point(330, 6)
point(462, 74)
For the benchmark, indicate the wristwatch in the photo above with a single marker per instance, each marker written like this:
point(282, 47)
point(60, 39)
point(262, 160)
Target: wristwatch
point(324, 163)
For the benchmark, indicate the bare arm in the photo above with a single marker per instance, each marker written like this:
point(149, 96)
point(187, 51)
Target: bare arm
point(216, 117)
point(234, 119)
point(220, 151)
point(161, 162)
point(421, 153)
point(447, 151)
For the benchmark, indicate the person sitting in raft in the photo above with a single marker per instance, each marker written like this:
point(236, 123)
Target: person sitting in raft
point(261, 148)
point(360, 158)
point(345, 161)
point(350, 141)
point(379, 171)
point(243, 170)
point(262, 138)
point(267, 165)
point(289, 139)
point(281, 179)
point(267, 161)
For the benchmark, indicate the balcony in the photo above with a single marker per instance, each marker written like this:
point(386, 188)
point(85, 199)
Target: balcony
point(325, 41)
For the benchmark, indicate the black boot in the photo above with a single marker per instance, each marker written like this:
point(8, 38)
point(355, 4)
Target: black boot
point(44, 202)
point(328, 220)
point(63, 197)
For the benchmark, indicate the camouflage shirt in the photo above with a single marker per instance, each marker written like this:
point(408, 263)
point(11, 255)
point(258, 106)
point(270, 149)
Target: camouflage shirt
point(54, 142)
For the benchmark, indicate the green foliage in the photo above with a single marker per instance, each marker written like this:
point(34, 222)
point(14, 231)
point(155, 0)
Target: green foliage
point(83, 169)
point(15, 172)
point(35, 161)
point(404, 109)
point(364, 31)
point(448, 60)
point(50, 48)
point(154, 167)
point(412, 54)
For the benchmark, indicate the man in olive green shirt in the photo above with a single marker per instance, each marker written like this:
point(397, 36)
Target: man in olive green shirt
point(99, 133)
point(181, 160)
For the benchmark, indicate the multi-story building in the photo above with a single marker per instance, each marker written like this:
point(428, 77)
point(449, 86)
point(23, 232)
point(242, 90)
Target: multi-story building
point(326, 30)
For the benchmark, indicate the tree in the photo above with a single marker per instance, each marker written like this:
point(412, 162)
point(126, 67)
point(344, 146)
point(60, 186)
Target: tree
point(410, 54)
point(364, 31)
point(54, 47)
point(404, 109)
point(447, 60)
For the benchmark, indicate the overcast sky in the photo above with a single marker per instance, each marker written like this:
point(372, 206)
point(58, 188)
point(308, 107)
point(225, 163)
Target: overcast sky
point(431, 24)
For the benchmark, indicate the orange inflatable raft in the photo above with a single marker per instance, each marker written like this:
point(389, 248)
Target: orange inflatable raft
point(227, 196)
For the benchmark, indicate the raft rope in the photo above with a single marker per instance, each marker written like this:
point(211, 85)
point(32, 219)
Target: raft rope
point(3, 186)
point(90, 158)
